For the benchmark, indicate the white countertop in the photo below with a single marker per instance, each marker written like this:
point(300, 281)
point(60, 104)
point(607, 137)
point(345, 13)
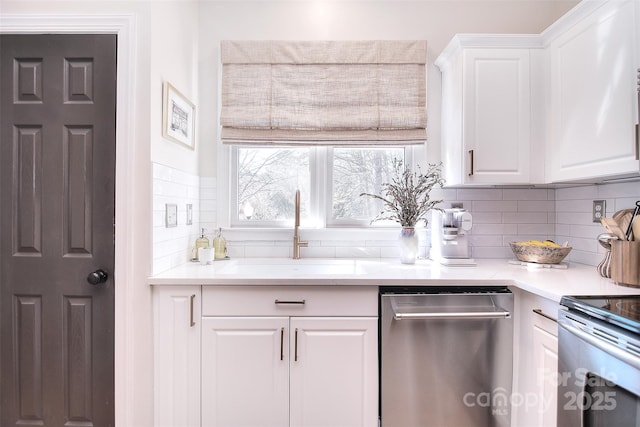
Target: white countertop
point(550, 283)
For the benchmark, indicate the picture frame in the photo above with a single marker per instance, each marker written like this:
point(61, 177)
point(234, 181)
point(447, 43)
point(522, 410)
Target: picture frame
point(178, 117)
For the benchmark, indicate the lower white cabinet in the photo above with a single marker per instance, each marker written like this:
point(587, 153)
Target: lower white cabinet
point(297, 371)
point(245, 371)
point(535, 399)
point(303, 356)
point(545, 353)
point(176, 326)
point(334, 379)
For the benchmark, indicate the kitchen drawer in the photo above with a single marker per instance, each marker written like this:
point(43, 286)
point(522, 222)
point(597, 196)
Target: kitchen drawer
point(318, 301)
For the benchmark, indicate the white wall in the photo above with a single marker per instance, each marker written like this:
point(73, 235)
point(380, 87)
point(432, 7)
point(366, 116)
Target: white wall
point(434, 21)
point(174, 58)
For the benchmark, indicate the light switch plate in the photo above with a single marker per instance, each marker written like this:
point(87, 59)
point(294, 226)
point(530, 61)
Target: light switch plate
point(171, 215)
point(189, 214)
point(599, 209)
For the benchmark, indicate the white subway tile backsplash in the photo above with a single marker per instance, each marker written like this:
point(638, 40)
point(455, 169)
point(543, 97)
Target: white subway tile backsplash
point(487, 217)
point(536, 205)
point(525, 217)
point(494, 206)
point(318, 252)
point(480, 194)
point(500, 215)
point(173, 246)
point(526, 194)
point(537, 229)
point(576, 193)
point(494, 229)
point(574, 221)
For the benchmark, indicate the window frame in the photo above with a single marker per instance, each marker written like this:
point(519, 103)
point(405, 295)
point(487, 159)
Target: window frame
point(320, 185)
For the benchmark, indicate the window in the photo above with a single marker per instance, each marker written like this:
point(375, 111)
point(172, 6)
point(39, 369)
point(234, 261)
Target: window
point(263, 181)
point(355, 171)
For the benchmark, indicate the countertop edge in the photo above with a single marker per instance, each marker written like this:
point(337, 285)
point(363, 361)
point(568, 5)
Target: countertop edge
point(552, 284)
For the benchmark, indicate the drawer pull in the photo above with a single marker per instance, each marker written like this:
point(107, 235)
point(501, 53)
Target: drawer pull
point(299, 302)
point(191, 322)
point(539, 312)
point(282, 344)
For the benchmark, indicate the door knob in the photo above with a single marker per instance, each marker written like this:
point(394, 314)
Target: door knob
point(97, 277)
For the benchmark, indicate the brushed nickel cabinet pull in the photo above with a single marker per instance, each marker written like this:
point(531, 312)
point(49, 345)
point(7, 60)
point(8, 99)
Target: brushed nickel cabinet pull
point(282, 344)
point(539, 312)
point(300, 302)
point(638, 140)
point(295, 353)
point(471, 158)
point(191, 322)
point(637, 130)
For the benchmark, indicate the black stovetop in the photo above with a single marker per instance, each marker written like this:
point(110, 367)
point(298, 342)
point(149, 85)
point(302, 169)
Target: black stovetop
point(619, 310)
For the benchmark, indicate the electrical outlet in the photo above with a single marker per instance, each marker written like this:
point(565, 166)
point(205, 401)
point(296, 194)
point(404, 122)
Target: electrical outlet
point(599, 209)
point(171, 215)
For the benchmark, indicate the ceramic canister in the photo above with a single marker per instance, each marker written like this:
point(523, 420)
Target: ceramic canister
point(205, 255)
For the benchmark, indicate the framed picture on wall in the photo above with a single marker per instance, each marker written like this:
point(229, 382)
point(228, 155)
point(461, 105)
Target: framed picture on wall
point(178, 117)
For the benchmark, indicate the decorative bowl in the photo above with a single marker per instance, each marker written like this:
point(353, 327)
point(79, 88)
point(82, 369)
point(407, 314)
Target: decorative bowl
point(539, 254)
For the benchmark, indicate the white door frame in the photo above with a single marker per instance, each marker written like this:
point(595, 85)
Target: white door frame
point(123, 25)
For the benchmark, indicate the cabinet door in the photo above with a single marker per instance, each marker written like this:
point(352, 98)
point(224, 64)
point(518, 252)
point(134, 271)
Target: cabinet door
point(334, 372)
point(176, 317)
point(593, 96)
point(245, 371)
point(545, 348)
point(496, 116)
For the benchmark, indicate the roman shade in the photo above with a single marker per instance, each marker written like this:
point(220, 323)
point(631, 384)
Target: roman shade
point(323, 92)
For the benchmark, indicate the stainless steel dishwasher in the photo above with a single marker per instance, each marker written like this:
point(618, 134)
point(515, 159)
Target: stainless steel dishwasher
point(446, 356)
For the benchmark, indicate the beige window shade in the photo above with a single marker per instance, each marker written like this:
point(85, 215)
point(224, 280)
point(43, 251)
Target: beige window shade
point(323, 92)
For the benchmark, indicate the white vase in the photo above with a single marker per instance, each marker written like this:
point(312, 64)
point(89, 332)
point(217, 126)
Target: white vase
point(408, 242)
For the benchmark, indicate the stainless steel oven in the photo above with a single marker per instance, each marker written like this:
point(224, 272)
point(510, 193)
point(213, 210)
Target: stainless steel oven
point(599, 362)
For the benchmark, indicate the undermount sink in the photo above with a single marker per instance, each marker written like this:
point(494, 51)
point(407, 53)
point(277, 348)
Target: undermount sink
point(281, 266)
point(301, 267)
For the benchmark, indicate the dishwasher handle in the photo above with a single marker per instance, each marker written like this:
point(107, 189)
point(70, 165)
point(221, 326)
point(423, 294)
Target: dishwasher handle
point(497, 314)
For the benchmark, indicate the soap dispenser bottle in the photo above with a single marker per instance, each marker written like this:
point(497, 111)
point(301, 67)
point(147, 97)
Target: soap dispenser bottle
point(219, 246)
point(201, 242)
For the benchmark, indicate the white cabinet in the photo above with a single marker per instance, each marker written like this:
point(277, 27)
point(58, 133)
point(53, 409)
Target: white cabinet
point(545, 353)
point(487, 112)
point(298, 356)
point(594, 62)
point(536, 361)
point(334, 379)
point(176, 317)
point(245, 371)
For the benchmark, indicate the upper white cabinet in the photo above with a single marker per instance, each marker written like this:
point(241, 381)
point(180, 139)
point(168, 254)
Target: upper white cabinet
point(594, 61)
point(487, 100)
point(561, 106)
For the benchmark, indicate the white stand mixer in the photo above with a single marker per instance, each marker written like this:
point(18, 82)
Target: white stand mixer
point(449, 242)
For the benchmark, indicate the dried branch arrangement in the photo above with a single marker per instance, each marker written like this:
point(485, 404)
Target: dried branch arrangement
point(407, 197)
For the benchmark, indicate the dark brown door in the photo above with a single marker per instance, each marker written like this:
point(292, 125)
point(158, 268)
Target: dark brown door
point(57, 195)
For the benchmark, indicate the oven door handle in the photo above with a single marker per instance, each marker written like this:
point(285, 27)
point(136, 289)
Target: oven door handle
point(600, 344)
